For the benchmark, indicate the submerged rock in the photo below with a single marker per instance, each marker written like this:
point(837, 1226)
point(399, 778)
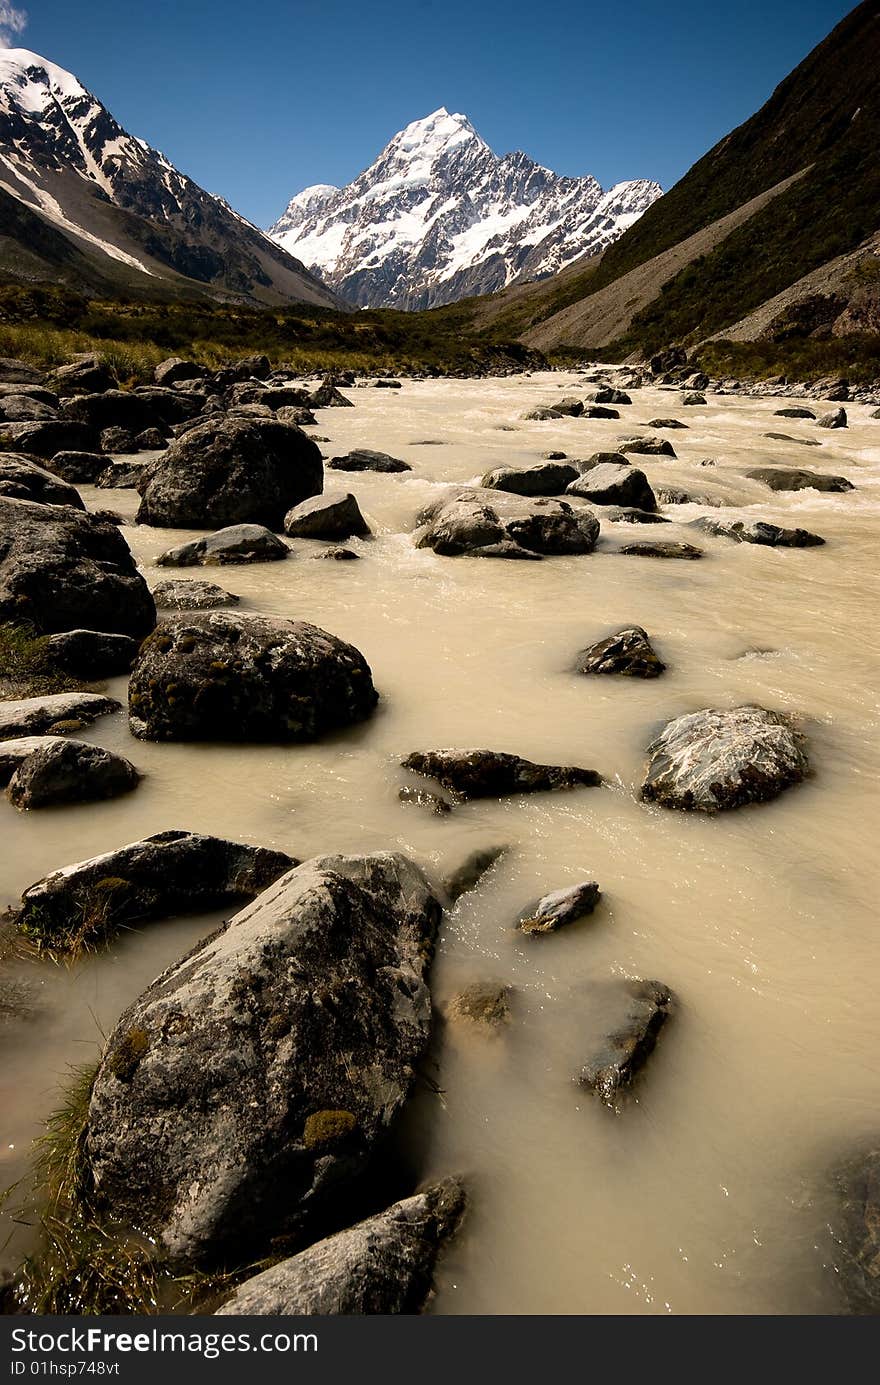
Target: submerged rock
point(163, 875)
point(484, 1005)
point(185, 595)
point(492, 524)
point(326, 517)
point(555, 910)
point(62, 569)
point(421, 798)
point(384, 1265)
point(647, 1007)
point(231, 471)
point(226, 677)
point(34, 716)
point(493, 774)
point(239, 543)
point(713, 760)
point(793, 411)
point(43, 771)
point(628, 652)
point(249, 1084)
point(468, 875)
point(364, 459)
point(783, 478)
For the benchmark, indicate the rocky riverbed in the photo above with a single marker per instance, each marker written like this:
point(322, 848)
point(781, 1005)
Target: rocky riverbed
point(717, 989)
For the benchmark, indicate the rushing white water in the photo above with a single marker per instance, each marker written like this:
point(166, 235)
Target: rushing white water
point(705, 1194)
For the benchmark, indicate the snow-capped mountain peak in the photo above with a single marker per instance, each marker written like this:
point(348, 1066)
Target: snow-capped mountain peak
point(438, 216)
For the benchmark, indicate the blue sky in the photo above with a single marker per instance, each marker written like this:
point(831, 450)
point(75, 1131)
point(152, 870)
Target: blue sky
point(255, 101)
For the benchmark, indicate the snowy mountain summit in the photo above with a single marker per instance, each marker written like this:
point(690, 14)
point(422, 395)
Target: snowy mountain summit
point(439, 217)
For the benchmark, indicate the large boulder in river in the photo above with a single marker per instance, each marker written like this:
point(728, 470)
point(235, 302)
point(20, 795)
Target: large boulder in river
point(186, 594)
point(249, 1084)
point(231, 471)
point(384, 1265)
point(112, 409)
point(479, 523)
point(79, 468)
point(562, 907)
point(62, 569)
point(785, 478)
point(221, 676)
point(614, 483)
point(22, 479)
point(628, 652)
point(758, 532)
point(712, 760)
point(493, 773)
point(163, 875)
point(835, 418)
point(647, 446)
point(44, 771)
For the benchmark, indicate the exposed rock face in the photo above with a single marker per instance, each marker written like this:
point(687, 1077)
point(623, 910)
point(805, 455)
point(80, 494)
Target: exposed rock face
point(713, 760)
point(61, 569)
point(166, 874)
point(783, 478)
point(492, 774)
point(480, 524)
point(383, 1265)
point(48, 770)
point(231, 471)
point(326, 517)
point(24, 480)
point(662, 550)
point(34, 716)
point(647, 1005)
point(561, 907)
point(186, 595)
point(363, 459)
point(251, 1081)
point(628, 652)
point(226, 677)
point(549, 478)
point(91, 653)
point(239, 543)
point(614, 483)
point(760, 532)
point(857, 1231)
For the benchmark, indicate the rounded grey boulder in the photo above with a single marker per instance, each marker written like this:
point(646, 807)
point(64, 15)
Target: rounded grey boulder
point(249, 1083)
point(713, 760)
point(226, 677)
point(231, 471)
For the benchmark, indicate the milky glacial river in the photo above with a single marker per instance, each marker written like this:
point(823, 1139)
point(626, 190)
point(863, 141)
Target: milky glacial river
point(706, 1194)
